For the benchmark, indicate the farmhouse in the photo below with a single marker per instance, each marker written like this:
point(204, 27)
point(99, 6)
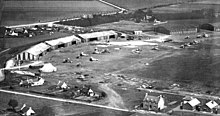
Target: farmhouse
point(96, 36)
point(33, 53)
point(176, 28)
point(153, 103)
point(63, 42)
point(211, 26)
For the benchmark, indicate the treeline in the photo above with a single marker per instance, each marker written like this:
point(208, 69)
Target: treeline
point(96, 20)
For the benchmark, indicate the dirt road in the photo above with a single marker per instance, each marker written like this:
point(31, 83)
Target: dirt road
point(113, 97)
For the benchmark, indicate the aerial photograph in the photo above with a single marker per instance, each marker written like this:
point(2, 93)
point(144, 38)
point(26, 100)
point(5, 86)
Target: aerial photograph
point(109, 57)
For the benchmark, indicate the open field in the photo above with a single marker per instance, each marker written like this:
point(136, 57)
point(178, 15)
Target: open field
point(126, 25)
point(138, 4)
point(34, 11)
point(187, 7)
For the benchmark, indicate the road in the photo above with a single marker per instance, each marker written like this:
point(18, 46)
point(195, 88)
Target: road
point(64, 100)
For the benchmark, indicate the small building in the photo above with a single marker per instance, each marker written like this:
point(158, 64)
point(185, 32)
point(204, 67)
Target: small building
point(190, 103)
point(177, 28)
point(63, 42)
point(33, 53)
point(97, 36)
point(210, 106)
point(211, 26)
point(153, 103)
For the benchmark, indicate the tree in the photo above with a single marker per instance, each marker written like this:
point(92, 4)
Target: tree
point(13, 104)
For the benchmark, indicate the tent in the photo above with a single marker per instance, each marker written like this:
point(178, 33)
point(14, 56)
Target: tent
point(48, 68)
point(2, 75)
point(10, 63)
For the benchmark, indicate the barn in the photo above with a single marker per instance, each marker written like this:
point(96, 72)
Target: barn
point(63, 42)
point(97, 36)
point(211, 26)
point(33, 53)
point(178, 27)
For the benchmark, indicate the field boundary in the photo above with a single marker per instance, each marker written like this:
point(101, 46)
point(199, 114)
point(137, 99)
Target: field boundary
point(63, 100)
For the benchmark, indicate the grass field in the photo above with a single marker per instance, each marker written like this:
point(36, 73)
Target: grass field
point(138, 4)
point(186, 7)
point(35, 11)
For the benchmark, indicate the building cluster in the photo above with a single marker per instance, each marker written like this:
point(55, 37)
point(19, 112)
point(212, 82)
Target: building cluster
point(200, 105)
point(37, 51)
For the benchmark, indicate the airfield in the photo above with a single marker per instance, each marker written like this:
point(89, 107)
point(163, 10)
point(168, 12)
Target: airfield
point(124, 69)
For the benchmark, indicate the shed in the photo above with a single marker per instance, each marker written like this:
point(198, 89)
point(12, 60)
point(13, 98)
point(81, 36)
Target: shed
point(96, 36)
point(33, 53)
point(191, 105)
point(210, 106)
point(63, 42)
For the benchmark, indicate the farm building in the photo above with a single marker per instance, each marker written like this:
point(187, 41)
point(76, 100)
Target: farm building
point(178, 27)
point(211, 26)
point(63, 42)
point(211, 106)
point(33, 53)
point(190, 103)
point(153, 103)
point(96, 36)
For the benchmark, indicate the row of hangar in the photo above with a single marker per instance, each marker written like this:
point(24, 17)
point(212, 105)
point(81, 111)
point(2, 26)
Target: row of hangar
point(37, 51)
point(179, 28)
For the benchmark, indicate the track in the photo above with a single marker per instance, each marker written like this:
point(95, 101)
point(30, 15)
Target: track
point(64, 100)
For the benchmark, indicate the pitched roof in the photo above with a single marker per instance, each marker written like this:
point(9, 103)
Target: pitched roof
point(97, 34)
point(151, 98)
point(211, 104)
point(37, 49)
point(194, 102)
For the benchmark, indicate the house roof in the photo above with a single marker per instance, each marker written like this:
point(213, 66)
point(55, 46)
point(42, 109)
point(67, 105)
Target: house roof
point(211, 104)
point(150, 98)
point(97, 34)
point(194, 102)
point(62, 40)
point(37, 49)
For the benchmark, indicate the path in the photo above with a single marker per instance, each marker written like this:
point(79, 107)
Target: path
point(112, 5)
point(114, 98)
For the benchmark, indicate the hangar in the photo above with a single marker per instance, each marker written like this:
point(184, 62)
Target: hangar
point(211, 26)
point(33, 53)
point(178, 27)
point(63, 42)
point(96, 36)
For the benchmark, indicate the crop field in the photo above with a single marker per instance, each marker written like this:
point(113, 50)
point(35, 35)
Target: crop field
point(40, 11)
point(138, 4)
point(186, 8)
point(208, 1)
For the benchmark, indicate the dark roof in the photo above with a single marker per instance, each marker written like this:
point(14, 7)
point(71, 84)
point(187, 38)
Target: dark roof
point(183, 24)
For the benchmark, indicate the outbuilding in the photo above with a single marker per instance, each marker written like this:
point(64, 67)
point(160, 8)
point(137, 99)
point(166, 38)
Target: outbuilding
point(33, 53)
point(190, 104)
point(97, 36)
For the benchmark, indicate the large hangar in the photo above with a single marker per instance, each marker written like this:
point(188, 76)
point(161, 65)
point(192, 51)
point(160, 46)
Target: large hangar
point(175, 29)
point(211, 26)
